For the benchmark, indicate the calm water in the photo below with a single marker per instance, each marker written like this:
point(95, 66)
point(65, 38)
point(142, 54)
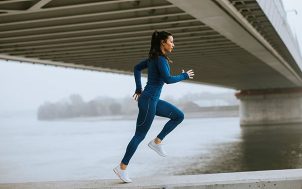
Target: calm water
point(32, 150)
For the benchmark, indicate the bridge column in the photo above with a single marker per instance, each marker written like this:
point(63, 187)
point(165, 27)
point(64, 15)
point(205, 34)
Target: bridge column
point(270, 106)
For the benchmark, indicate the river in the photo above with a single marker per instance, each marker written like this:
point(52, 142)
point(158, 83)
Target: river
point(88, 148)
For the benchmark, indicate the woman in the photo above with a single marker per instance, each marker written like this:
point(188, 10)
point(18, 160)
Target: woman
point(149, 103)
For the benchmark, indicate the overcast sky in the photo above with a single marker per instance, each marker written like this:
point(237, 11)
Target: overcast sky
point(26, 86)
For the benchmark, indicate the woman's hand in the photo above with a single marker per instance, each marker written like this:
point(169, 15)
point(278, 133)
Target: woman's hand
point(190, 73)
point(136, 96)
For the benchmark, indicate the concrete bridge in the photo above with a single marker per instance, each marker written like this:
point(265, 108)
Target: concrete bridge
point(245, 45)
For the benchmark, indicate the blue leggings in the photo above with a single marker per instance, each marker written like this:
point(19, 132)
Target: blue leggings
point(148, 108)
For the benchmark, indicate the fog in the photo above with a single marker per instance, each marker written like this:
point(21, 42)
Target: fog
point(25, 86)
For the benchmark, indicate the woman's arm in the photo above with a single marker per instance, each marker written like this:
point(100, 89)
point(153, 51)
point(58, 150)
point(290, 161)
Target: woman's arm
point(164, 70)
point(137, 74)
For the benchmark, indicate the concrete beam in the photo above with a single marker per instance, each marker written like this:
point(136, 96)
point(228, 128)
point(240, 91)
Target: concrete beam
point(277, 179)
point(39, 5)
point(276, 14)
point(61, 64)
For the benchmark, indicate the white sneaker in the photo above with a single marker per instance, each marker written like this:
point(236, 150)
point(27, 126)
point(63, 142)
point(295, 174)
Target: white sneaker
point(122, 174)
point(157, 148)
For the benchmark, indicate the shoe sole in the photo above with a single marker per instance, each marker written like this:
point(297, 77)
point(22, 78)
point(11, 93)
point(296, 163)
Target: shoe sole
point(117, 173)
point(156, 150)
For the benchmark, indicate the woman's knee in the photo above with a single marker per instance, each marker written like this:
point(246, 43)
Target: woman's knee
point(179, 116)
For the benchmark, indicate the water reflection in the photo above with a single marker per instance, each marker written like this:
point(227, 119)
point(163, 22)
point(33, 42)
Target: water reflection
point(260, 148)
point(271, 147)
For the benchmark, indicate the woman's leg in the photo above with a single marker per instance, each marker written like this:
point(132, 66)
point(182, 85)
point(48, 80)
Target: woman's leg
point(165, 109)
point(147, 108)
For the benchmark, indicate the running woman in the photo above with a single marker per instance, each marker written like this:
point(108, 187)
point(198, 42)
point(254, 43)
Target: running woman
point(149, 103)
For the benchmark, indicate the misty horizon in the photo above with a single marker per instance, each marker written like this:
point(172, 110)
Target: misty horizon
point(25, 86)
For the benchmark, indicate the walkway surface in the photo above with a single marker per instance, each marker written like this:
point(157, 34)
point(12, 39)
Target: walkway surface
point(277, 179)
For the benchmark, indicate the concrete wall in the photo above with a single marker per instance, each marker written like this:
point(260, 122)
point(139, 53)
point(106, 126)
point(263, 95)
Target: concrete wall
point(277, 179)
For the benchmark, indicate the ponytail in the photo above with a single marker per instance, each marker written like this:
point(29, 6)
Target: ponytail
point(155, 50)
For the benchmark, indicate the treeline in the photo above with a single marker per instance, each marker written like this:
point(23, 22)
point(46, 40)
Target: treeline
point(75, 106)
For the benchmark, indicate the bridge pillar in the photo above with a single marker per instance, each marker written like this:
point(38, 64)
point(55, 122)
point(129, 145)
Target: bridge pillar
point(270, 106)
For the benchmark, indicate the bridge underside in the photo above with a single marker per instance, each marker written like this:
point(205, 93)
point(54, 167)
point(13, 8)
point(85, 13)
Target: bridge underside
point(113, 35)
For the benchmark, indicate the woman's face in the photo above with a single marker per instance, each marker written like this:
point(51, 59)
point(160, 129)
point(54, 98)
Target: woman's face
point(168, 45)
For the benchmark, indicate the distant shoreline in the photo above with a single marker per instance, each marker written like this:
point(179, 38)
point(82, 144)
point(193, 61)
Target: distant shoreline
point(209, 113)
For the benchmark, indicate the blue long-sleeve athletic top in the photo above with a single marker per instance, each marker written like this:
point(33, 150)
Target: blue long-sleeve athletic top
point(158, 74)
